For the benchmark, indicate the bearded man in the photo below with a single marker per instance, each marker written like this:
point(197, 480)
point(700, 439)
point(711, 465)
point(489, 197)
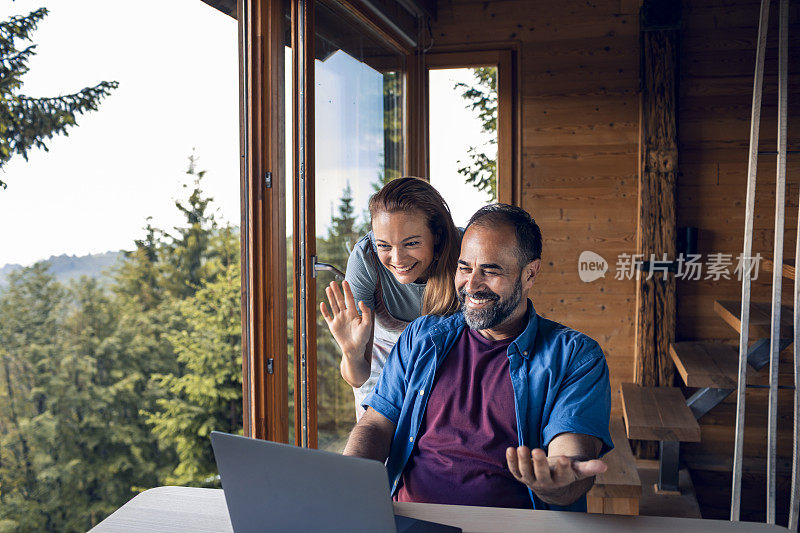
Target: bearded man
point(495, 405)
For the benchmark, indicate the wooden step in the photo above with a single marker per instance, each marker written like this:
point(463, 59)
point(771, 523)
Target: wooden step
point(657, 413)
point(760, 317)
point(767, 265)
point(716, 365)
point(618, 489)
point(706, 364)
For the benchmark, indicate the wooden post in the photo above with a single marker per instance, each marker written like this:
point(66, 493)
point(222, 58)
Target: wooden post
point(658, 166)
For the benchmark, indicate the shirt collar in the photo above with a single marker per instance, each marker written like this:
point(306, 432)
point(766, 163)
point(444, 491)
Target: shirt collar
point(523, 344)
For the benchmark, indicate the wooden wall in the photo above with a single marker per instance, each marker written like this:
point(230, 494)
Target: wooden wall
point(579, 85)
point(579, 72)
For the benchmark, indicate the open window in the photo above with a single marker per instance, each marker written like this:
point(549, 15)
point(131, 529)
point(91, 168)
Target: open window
point(334, 106)
point(471, 128)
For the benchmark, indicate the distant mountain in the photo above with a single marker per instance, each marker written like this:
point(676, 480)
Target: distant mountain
point(67, 267)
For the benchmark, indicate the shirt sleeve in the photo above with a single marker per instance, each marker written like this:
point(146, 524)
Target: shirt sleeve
point(389, 393)
point(361, 274)
point(583, 403)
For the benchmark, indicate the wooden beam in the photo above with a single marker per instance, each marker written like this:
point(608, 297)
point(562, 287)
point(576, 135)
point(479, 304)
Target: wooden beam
point(416, 120)
point(310, 237)
point(658, 167)
point(305, 243)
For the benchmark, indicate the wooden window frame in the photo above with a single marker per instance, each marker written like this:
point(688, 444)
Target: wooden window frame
point(509, 152)
point(263, 223)
point(263, 205)
point(367, 18)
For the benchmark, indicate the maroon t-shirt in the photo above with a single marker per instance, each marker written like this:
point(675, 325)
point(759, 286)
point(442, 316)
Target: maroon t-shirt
point(470, 420)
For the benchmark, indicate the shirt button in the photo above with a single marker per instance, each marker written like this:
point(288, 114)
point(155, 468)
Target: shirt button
point(524, 353)
point(410, 439)
point(422, 393)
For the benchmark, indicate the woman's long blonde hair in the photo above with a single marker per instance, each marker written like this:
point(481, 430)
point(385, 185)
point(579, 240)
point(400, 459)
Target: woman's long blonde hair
point(410, 194)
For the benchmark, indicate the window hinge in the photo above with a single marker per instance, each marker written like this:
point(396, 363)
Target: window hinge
point(268, 180)
point(270, 365)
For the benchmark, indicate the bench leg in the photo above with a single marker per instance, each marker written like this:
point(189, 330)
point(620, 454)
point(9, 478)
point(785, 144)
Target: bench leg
point(668, 466)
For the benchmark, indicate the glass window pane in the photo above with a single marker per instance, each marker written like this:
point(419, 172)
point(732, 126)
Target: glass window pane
point(358, 147)
point(464, 166)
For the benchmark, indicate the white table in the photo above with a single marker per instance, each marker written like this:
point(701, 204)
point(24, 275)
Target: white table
point(171, 509)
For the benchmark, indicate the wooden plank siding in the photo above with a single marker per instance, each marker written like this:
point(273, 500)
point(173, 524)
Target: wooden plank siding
point(579, 94)
point(579, 90)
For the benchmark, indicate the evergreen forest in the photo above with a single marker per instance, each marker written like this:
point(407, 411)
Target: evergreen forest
point(108, 389)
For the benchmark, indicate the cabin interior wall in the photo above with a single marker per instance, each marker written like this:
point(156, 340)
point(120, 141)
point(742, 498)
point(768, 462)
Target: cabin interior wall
point(579, 93)
point(578, 68)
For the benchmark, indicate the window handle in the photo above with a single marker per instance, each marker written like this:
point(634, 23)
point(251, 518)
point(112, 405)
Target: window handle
point(338, 274)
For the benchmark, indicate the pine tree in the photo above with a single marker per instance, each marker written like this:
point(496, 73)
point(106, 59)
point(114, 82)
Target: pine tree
point(104, 393)
point(138, 275)
point(189, 250)
point(93, 464)
point(67, 436)
point(152, 287)
point(207, 395)
point(27, 122)
point(29, 309)
point(198, 270)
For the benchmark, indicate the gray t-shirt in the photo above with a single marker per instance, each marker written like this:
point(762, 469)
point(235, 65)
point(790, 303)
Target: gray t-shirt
point(403, 301)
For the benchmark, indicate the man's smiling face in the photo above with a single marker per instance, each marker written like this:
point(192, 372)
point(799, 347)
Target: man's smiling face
point(490, 282)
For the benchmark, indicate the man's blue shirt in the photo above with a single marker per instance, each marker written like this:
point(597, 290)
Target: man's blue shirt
point(559, 377)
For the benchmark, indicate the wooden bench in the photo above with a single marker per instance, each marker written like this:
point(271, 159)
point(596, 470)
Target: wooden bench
point(660, 413)
point(618, 489)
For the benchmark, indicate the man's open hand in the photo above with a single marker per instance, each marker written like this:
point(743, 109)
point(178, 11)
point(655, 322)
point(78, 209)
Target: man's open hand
point(549, 477)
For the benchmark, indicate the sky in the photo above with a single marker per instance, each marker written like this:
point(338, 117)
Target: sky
point(177, 66)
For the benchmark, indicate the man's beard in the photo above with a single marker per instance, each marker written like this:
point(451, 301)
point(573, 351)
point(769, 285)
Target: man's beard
point(492, 315)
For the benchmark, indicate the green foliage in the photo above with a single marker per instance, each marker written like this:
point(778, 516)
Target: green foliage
point(28, 325)
point(27, 122)
point(481, 170)
point(187, 252)
point(106, 392)
point(207, 394)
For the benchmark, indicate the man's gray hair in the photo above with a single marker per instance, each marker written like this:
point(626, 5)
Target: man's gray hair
point(529, 236)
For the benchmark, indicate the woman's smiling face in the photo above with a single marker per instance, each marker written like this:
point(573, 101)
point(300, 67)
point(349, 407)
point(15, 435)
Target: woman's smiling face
point(405, 244)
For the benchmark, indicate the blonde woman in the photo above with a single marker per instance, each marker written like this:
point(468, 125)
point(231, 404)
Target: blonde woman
point(399, 271)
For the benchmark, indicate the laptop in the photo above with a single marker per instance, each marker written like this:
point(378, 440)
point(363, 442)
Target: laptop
point(277, 487)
